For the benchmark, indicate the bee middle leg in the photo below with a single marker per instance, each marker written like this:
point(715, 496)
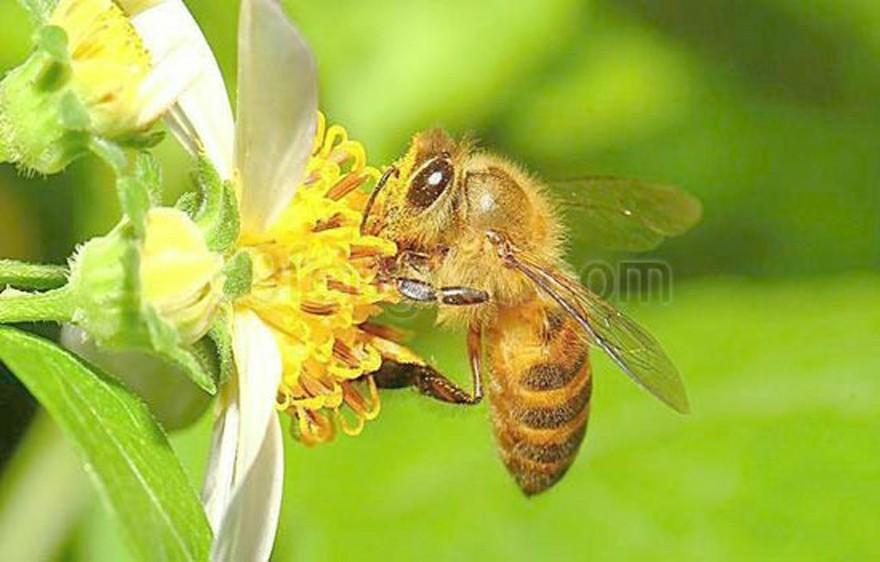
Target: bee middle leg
point(432, 383)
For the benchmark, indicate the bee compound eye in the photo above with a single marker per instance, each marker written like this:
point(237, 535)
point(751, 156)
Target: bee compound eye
point(430, 183)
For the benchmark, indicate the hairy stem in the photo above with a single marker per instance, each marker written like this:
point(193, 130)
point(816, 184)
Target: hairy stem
point(50, 306)
point(31, 276)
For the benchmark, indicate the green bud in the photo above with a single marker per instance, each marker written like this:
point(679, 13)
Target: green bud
point(158, 293)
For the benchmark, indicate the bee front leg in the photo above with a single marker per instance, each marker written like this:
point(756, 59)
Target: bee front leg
point(421, 291)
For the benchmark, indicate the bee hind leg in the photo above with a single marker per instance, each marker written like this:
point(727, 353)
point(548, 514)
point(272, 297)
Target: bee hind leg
point(429, 381)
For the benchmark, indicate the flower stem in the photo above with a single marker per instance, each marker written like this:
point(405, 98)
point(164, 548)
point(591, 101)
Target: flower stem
point(51, 306)
point(31, 276)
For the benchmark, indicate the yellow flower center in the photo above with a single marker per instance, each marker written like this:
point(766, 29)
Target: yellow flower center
point(109, 62)
point(315, 286)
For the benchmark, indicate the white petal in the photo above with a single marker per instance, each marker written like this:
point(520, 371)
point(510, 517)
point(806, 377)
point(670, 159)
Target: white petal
point(248, 528)
point(168, 80)
point(258, 362)
point(217, 489)
point(277, 110)
point(134, 7)
point(202, 117)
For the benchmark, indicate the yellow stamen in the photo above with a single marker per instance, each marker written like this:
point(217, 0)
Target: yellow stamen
point(315, 285)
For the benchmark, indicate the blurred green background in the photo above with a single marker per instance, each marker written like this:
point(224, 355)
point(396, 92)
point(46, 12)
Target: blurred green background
point(768, 110)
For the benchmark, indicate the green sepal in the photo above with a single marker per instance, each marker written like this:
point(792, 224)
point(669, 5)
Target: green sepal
point(135, 201)
point(53, 41)
point(140, 190)
point(142, 141)
point(165, 342)
point(56, 72)
point(148, 170)
point(217, 215)
point(220, 335)
point(71, 113)
point(39, 10)
point(106, 286)
point(110, 152)
point(239, 272)
point(188, 203)
point(206, 354)
point(42, 123)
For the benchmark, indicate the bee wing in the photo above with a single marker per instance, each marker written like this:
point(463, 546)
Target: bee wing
point(629, 345)
point(624, 215)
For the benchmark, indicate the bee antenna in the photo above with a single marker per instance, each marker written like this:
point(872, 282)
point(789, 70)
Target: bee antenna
point(390, 171)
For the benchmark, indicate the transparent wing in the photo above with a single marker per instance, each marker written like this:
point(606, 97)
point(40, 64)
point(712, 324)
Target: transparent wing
point(629, 345)
point(624, 215)
point(277, 110)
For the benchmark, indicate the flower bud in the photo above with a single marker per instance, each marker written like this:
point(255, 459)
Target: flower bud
point(89, 76)
point(181, 278)
point(129, 293)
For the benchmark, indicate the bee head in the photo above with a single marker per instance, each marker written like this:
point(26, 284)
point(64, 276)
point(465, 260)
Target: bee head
point(416, 197)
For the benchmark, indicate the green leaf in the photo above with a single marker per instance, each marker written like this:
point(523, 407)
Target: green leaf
point(31, 276)
point(125, 450)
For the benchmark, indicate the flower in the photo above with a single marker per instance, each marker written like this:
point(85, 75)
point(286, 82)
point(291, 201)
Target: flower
point(91, 76)
point(124, 89)
point(301, 340)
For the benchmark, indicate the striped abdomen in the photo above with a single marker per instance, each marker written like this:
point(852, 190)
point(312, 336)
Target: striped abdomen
point(539, 391)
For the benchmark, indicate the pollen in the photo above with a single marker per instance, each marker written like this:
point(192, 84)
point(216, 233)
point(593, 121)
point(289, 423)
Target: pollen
point(316, 286)
point(109, 62)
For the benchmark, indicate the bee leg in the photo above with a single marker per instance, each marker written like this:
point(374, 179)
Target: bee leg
point(475, 354)
point(428, 381)
point(420, 291)
point(417, 261)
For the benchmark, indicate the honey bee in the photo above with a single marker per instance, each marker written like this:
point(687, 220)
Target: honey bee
point(484, 241)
